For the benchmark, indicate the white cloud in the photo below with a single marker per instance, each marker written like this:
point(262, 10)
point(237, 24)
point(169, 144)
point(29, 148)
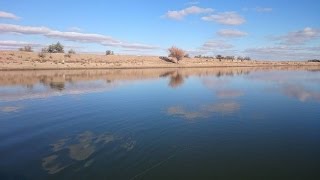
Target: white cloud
point(75, 29)
point(7, 15)
point(17, 43)
point(283, 53)
point(299, 37)
point(81, 37)
point(14, 45)
point(136, 46)
point(216, 44)
point(258, 9)
point(213, 47)
point(179, 15)
point(10, 28)
point(192, 3)
point(72, 36)
point(314, 48)
point(245, 9)
point(263, 9)
point(226, 18)
point(291, 46)
point(231, 33)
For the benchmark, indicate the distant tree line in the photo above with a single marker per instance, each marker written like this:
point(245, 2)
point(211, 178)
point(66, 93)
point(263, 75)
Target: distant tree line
point(55, 48)
point(220, 57)
point(26, 49)
point(109, 52)
point(314, 60)
point(179, 54)
point(174, 52)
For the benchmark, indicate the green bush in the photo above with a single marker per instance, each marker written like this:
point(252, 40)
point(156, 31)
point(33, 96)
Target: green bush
point(314, 60)
point(109, 52)
point(55, 48)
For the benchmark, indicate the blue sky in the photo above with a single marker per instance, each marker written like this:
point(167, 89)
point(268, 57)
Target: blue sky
point(269, 30)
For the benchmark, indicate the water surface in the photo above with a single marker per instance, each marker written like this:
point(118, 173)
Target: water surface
point(215, 123)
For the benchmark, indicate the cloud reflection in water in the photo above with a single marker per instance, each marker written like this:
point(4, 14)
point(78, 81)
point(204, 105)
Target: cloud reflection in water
point(10, 109)
point(205, 111)
point(68, 151)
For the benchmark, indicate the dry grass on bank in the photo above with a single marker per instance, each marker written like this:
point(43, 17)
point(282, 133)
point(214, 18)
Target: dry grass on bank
point(32, 60)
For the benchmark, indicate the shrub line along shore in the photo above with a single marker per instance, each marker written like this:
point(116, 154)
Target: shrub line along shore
point(21, 60)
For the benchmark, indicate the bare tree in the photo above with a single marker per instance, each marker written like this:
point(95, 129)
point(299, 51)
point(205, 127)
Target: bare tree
point(71, 51)
point(247, 58)
point(26, 49)
point(176, 53)
point(219, 57)
point(230, 58)
point(240, 58)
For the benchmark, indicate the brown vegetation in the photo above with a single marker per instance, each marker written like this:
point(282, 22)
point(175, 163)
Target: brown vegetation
point(71, 51)
point(42, 55)
point(176, 53)
point(26, 49)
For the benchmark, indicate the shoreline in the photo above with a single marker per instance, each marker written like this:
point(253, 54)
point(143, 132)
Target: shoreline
point(16, 61)
point(153, 67)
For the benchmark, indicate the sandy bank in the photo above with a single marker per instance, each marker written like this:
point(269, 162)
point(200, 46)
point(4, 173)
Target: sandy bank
point(14, 60)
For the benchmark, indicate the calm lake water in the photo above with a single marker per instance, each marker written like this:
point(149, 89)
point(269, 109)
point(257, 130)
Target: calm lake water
point(213, 123)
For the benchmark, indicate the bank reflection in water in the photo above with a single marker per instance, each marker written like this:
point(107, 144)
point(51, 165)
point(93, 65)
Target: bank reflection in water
point(21, 85)
point(10, 109)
